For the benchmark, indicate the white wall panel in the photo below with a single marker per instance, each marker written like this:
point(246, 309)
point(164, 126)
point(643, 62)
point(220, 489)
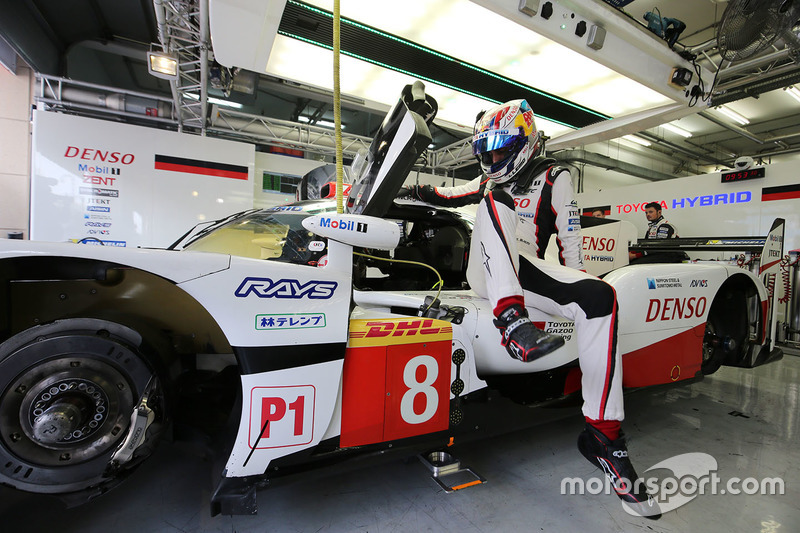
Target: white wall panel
point(701, 206)
point(130, 185)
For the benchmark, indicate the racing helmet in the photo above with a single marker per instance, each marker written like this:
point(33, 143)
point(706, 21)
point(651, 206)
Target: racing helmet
point(508, 127)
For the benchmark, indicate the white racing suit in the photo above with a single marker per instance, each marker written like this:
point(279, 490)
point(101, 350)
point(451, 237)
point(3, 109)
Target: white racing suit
point(539, 203)
point(660, 229)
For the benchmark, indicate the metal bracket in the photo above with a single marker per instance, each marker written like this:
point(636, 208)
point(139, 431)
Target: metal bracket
point(141, 418)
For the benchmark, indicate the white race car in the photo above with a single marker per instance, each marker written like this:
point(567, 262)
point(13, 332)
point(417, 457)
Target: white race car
point(269, 329)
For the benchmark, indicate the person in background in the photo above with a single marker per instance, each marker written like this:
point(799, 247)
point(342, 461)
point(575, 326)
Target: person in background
point(657, 228)
point(598, 213)
point(524, 198)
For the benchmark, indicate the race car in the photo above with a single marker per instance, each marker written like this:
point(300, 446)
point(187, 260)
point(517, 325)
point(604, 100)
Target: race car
point(300, 336)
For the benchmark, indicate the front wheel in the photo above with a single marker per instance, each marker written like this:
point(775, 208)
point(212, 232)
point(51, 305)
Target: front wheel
point(80, 406)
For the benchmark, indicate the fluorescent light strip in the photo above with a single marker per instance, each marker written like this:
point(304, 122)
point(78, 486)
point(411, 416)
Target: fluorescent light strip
point(733, 115)
point(419, 76)
point(323, 123)
point(437, 54)
point(212, 100)
point(793, 92)
point(637, 140)
point(676, 130)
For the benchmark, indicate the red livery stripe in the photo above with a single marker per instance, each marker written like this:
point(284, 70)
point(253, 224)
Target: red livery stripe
point(196, 166)
point(782, 192)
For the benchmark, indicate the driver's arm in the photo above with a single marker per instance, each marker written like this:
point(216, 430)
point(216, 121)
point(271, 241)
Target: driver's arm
point(460, 195)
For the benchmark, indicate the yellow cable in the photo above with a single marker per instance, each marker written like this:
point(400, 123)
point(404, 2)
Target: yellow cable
point(337, 108)
point(440, 283)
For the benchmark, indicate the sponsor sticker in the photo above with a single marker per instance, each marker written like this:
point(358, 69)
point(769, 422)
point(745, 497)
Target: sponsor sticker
point(274, 322)
point(97, 191)
point(345, 225)
point(391, 332)
point(98, 242)
point(285, 288)
point(664, 283)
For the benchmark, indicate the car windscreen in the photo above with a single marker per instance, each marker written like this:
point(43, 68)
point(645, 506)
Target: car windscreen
point(276, 234)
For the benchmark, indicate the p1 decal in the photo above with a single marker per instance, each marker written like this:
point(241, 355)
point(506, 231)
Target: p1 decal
point(286, 414)
point(286, 288)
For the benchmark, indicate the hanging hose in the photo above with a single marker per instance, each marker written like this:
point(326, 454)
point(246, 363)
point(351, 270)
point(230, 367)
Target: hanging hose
point(337, 108)
point(786, 263)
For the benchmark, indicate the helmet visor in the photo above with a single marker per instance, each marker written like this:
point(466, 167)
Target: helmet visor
point(488, 141)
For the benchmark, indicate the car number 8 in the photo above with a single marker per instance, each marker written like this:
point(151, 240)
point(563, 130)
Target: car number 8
point(415, 388)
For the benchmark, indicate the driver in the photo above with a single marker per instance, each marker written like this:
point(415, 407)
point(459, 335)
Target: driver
point(524, 199)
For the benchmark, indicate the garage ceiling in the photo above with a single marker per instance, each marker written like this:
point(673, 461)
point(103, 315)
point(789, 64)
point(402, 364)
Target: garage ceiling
point(470, 54)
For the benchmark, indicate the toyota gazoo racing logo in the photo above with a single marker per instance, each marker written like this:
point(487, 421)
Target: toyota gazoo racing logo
point(286, 288)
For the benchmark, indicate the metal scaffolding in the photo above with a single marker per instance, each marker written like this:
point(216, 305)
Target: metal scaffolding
point(183, 32)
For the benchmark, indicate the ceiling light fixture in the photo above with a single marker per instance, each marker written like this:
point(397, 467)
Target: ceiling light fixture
point(212, 100)
point(733, 115)
point(162, 65)
point(793, 91)
point(637, 140)
point(676, 130)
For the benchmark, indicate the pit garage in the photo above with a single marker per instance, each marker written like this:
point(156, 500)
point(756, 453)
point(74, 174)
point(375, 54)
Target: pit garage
point(223, 306)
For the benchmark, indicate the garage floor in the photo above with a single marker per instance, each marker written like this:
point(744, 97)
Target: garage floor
point(747, 420)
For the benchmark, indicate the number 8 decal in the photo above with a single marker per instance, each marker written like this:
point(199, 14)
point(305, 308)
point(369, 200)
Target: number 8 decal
point(416, 388)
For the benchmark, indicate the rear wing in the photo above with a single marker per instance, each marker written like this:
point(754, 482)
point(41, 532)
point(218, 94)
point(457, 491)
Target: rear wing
point(769, 248)
point(772, 252)
point(606, 243)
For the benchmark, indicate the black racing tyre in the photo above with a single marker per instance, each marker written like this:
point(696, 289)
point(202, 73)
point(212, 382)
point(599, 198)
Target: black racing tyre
point(68, 391)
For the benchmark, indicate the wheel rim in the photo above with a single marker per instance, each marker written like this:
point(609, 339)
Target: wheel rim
point(65, 405)
point(65, 411)
point(708, 347)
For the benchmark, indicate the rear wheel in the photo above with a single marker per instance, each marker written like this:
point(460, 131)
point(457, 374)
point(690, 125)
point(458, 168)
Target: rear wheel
point(80, 406)
point(726, 333)
point(712, 350)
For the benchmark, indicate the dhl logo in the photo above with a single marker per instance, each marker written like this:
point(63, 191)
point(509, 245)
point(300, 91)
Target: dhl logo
point(398, 331)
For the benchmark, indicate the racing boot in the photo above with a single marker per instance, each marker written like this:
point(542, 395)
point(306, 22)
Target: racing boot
point(523, 340)
point(612, 457)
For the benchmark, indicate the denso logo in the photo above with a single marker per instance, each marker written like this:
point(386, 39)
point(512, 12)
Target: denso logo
point(601, 244)
point(346, 225)
point(92, 154)
point(676, 308)
point(286, 288)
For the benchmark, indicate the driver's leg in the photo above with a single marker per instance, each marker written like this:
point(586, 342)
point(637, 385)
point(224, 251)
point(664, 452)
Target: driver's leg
point(592, 304)
point(492, 273)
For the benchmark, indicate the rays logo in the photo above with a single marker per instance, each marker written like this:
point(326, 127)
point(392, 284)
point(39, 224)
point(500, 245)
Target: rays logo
point(286, 288)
